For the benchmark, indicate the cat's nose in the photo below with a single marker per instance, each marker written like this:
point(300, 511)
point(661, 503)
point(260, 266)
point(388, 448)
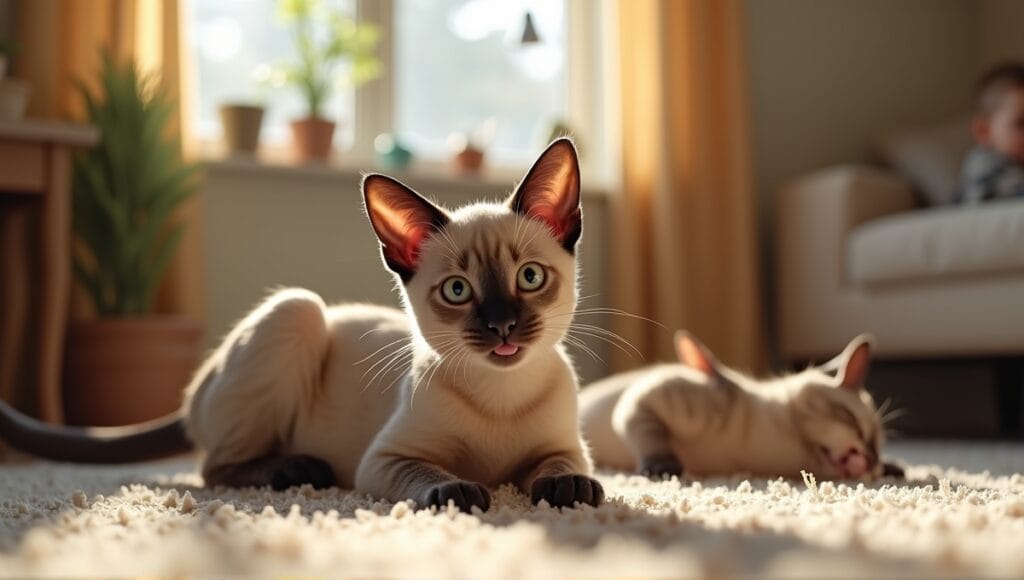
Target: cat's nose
point(502, 329)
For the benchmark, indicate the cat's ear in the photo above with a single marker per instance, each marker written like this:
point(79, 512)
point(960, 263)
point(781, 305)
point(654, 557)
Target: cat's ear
point(550, 192)
point(852, 365)
point(694, 354)
point(402, 220)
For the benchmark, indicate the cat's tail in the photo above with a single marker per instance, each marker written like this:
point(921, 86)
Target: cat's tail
point(150, 440)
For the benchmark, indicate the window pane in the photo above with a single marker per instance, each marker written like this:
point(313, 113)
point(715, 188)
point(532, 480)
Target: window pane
point(460, 67)
point(229, 41)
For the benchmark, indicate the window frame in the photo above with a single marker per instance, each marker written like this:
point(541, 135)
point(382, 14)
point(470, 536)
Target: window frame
point(589, 99)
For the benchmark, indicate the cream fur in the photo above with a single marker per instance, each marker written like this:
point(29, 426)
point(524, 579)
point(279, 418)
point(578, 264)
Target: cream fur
point(393, 401)
point(430, 422)
point(727, 424)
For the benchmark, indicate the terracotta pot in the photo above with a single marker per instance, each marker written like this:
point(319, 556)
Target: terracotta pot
point(469, 160)
point(126, 370)
point(312, 138)
point(241, 125)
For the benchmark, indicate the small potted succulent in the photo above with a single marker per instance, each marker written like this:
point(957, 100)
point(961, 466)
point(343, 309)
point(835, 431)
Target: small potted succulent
point(467, 154)
point(241, 123)
point(241, 119)
point(331, 48)
point(129, 364)
point(469, 149)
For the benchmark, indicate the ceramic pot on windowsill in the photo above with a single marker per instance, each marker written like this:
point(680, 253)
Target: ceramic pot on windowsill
point(241, 124)
point(312, 138)
point(468, 161)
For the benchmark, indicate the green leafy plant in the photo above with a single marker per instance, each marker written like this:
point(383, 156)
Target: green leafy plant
point(325, 39)
point(126, 190)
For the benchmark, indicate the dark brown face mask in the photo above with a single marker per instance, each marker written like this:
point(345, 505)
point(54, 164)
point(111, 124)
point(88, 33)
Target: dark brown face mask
point(502, 323)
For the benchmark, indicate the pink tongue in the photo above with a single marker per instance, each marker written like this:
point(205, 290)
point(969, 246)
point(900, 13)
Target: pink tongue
point(506, 349)
point(856, 464)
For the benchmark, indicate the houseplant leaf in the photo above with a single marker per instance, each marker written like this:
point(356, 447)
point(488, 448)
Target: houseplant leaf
point(127, 189)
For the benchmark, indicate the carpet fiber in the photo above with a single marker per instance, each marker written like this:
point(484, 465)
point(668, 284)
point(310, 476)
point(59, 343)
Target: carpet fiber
point(961, 513)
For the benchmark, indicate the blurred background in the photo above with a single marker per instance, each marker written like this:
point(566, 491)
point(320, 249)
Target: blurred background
point(776, 176)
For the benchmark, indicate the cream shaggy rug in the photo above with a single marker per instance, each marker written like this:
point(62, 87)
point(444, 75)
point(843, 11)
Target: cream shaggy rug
point(953, 518)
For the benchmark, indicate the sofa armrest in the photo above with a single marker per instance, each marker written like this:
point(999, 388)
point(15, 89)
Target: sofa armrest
point(815, 213)
point(846, 195)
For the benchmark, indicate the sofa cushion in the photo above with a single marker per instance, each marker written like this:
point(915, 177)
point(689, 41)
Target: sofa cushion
point(930, 157)
point(931, 244)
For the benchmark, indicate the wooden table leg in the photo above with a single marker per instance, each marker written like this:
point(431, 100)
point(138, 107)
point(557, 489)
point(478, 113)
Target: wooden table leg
point(13, 294)
point(55, 282)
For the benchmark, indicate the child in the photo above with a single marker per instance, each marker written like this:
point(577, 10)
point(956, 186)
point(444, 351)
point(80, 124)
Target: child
point(994, 168)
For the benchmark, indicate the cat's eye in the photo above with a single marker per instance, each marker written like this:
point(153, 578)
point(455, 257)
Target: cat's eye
point(456, 290)
point(530, 277)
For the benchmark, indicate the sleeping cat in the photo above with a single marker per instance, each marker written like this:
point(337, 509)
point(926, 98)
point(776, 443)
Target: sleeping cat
point(701, 418)
point(469, 388)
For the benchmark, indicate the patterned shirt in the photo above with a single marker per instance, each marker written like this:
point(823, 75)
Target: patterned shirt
point(988, 175)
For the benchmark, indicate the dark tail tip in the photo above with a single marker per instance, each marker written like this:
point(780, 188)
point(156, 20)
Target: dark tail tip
point(161, 437)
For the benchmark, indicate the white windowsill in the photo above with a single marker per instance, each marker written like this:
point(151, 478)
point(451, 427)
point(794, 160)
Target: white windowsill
point(422, 173)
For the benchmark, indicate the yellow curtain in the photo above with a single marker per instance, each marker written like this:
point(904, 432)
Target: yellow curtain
point(685, 227)
point(61, 42)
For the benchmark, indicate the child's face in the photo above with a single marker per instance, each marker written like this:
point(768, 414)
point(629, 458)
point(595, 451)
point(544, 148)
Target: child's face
point(1003, 129)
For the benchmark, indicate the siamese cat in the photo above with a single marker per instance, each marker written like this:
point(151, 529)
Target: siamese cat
point(702, 418)
point(468, 388)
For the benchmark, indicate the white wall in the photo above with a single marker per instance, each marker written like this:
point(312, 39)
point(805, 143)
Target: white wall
point(828, 78)
point(1001, 26)
point(273, 226)
point(7, 19)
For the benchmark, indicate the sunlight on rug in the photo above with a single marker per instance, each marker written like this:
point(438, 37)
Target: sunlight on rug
point(62, 520)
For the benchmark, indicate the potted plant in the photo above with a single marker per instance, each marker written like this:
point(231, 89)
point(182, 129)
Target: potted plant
point(242, 118)
point(468, 155)
point(241, 123)
point(325, 40)
point(129, 364)
point(469, 149)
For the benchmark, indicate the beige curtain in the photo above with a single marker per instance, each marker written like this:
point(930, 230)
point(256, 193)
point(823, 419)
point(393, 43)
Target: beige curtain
point(685, 251)
point(61, 42)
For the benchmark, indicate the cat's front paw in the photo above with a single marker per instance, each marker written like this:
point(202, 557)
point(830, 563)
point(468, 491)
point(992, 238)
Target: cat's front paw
point(658, 466)
point(890, 469)
point(464, 494)
point(299, 469)
point(565, 490)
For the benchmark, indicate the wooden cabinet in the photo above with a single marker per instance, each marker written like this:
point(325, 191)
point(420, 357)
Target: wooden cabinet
point(35, 167)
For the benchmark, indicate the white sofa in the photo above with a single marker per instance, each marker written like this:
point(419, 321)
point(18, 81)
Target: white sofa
point(855, 254)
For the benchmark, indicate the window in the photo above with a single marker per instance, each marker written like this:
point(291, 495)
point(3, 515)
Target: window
point(233, 45)
point(460, 66)
point(450, 66)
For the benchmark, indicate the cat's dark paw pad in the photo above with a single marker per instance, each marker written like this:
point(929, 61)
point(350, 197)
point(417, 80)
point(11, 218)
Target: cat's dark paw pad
point(299, 469)
point(464, 494)
point(890, 469)
point(658, 466)
point(565, 490)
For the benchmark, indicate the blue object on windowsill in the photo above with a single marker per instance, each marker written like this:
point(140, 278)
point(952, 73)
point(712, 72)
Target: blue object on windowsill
point(390, 152)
